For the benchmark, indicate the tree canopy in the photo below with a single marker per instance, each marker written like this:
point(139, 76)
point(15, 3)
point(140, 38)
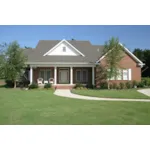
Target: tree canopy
point(113, 53)
point(144, 56)
point(12, 62)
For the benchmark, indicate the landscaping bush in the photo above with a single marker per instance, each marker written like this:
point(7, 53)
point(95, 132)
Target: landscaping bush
point(78, 85)
point(104, 85)
point(140, 84)
point(128, 85)
point(47, 86)
point(114, 85)
point(118, 87)
point(110, 86)
point(9, 83)
point(33, 86)
point(134, 84)
point(146, 81)
point(90, 86)
point(122, 85)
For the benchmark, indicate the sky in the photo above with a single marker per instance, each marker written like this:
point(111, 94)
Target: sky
point(132, 36)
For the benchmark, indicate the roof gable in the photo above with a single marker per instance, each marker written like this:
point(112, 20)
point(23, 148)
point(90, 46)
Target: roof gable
point(128, 52)
point(63, 48)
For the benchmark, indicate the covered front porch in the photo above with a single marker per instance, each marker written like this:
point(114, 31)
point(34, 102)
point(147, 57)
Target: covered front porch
point(62, 75)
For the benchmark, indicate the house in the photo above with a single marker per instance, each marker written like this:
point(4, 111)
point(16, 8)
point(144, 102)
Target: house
point(68, 62)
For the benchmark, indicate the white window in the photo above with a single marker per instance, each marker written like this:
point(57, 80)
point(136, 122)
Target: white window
point(125, 74)
point(64, 49)
point(119, 76)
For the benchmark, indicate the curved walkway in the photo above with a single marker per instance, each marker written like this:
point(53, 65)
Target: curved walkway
point(67, 93)
point(145, 91)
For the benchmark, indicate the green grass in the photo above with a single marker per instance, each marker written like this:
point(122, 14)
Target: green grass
point(130, 93)
point(42, 107)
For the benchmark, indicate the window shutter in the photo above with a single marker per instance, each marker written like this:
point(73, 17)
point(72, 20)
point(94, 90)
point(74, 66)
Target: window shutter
point(129, 74)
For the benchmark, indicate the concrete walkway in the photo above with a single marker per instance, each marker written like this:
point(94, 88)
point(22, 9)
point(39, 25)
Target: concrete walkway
point(145, 91)
point(67, 93)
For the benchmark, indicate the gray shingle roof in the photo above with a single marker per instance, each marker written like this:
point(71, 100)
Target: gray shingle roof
point(91, 52)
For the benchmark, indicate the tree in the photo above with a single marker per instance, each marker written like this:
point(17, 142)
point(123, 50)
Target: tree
point(3, 47)
point(113, 52)
point(14, 62)
point(101, 74)
point(144, 56)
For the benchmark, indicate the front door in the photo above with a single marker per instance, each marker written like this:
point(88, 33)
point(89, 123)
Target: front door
point(63, 76)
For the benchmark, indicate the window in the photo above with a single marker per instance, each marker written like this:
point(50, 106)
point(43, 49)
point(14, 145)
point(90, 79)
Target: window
point(45, 74)
point(119, 77)
point(78, 75)
point(85, 75)
point(64, 49)
point(82, 75)
point(125, 74)
point(41, 74)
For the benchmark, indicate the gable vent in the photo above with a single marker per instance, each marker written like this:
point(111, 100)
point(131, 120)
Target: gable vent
point(64, 49)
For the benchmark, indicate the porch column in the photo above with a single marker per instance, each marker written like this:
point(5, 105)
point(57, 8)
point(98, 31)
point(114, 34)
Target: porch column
point(71, 75)
point(93, 75)
point(31, 75)
point(55, 75)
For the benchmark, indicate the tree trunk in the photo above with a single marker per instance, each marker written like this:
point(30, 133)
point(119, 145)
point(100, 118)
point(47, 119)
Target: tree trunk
point(15, 84)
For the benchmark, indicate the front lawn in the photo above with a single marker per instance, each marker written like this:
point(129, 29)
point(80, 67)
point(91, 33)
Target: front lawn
point(130, 93)
point(42, 107)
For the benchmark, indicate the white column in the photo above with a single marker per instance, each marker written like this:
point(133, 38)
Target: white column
point(93, 75)
point(55, 75)
point(31, 75)
point(71, 75)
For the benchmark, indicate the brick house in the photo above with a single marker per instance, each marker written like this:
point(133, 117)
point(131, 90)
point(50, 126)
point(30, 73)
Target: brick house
point(71, 62)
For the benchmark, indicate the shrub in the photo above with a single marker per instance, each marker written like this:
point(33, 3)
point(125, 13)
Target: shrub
point(77, 88)
point(90, 86)
point(146, 81)
point(122, 85)
point(128, 85)
point(103, 85)
point(9, 83)
point(47, 86)
point(110, 86)
point(78, 85)
point(118, 87)
point(134, 83)
point(140, 84)
point(33, 86)
point(114, 85)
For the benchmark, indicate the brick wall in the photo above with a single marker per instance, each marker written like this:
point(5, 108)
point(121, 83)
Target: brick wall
point(128, 62)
